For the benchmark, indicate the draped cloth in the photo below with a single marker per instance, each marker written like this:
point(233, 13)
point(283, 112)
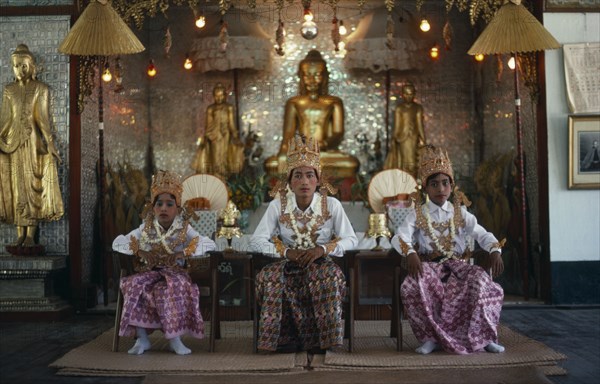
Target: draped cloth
point(164, 299)
point(301, 306)
point(454, 304)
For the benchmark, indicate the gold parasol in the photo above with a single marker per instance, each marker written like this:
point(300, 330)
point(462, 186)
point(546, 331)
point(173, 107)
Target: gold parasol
point(514, 30)
point(100, 31)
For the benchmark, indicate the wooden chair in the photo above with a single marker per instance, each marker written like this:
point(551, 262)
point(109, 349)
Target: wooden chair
point(216, 257)
point(123, 264)
point(259, 261)
point(202, 271)
point(353, 258)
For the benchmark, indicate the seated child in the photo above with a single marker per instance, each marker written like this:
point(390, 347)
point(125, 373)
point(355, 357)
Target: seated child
point(450, 304)
point(161, 294)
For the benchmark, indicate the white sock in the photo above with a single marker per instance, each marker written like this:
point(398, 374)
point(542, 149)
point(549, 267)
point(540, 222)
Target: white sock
point(178, 347)
point(494, 348)
point(142, 344)
point(427, 347)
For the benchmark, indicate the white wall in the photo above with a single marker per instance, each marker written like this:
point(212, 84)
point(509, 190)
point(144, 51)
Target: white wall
point(574, 214)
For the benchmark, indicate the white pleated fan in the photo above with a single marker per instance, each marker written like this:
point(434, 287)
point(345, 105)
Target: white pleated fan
point(207, 186)
point(387, 184)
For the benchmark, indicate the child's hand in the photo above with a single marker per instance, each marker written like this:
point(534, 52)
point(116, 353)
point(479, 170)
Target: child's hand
point(496, 264)
point(149, 257)
point(413, 264)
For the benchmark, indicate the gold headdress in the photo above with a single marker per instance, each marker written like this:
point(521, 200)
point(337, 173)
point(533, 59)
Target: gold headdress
point(303, 152)
point(434, 160)
point(166, 182)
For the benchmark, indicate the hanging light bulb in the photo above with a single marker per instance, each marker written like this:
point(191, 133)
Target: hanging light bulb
point(106, 75)
point(151, 70)
point(511, 63)
point(200, 19)
point(434, 52)
point(187, 64)
point(425, 26)
point(343, 29)
point(118, 75)
point(479, 57)
point(308, 15)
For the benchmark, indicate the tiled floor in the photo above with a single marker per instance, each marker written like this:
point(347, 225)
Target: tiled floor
point(26, 349)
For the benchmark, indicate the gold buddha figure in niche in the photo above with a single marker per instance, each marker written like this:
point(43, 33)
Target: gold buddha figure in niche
point(29, 184)
point(315, 113)
point(408, 135)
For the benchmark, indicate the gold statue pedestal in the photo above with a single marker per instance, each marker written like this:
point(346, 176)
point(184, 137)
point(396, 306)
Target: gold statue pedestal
point(29, 285)
point(335, 165)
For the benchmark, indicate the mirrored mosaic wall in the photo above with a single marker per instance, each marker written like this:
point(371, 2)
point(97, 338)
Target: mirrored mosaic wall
point(43, 34)
point(469, 106)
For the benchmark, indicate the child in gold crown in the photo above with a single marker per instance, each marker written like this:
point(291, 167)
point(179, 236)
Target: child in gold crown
point(451, 304)
point(301, 295)
point(161, 294)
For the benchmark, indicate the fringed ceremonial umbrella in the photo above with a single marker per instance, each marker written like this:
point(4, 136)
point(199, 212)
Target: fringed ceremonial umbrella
point(514, 30)
point(100, 32)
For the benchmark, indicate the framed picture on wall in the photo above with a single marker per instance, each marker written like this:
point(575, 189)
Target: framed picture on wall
point(572, 6)
point(584, 152)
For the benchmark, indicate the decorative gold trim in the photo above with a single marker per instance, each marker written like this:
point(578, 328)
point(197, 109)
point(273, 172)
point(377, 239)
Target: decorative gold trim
point(279, 246)
point(286, 219)
point(134, 245)
point(191, 248)
point(86, 70)
point(330, 247)
point(499, 244)
point(404, 247)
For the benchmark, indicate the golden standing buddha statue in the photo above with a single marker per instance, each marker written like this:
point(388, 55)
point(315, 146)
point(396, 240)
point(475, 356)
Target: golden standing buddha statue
point(220, 151)
point(314, 113)
point(29, 187)
point(408, 135)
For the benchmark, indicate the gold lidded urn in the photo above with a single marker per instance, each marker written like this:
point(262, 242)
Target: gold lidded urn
point(378, 228)
point(229, 228)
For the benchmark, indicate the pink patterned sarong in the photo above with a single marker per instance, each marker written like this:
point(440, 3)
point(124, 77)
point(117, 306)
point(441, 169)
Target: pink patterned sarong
point(454, 304)
point(163, 299)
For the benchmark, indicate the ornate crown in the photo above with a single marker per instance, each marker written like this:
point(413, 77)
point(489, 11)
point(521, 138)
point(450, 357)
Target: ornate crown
point(303, 152)
point(166, 182)
point(434, 160)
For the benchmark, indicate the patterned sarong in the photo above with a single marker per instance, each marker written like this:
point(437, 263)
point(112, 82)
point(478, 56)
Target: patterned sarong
point(300, 306)
point(454, 304)
point(161, 299)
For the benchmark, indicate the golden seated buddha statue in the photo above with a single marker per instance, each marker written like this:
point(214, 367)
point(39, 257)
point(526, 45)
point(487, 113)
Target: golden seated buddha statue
point(315, 113)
